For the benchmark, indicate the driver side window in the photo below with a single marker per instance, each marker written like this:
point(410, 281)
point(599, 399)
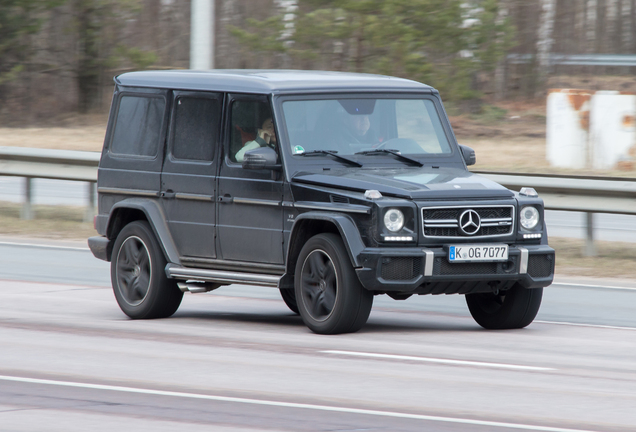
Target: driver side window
point(251, 127)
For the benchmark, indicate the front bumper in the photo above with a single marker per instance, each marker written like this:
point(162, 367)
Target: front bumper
point(419, 270)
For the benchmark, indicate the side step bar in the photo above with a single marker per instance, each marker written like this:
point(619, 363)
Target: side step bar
point(220, 277)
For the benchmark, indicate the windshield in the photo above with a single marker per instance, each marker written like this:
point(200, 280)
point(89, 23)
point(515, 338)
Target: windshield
point(350, 126)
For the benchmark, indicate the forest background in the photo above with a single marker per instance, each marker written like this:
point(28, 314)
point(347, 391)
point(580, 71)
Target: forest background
point(58, 57)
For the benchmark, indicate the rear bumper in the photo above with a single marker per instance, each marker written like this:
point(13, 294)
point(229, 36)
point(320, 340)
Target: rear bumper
point(101, 247)
point(427, 270)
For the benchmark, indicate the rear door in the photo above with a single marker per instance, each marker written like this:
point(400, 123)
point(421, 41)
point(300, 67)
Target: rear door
point(188, 180)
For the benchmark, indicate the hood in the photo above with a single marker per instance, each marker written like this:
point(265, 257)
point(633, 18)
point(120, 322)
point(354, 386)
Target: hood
point(420, 183)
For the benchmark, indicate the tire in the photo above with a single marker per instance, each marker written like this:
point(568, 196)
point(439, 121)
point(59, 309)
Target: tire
point(289, 297)
point(329, 295)
point(137, 274)
point(512, 309)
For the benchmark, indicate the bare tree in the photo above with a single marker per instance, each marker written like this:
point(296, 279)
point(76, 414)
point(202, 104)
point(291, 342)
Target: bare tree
point(545, 41)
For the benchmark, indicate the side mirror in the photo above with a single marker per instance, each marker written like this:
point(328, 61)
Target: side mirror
point(261, 158)
point(469, 155)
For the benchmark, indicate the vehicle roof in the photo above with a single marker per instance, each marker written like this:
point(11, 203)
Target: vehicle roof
point(264, 81)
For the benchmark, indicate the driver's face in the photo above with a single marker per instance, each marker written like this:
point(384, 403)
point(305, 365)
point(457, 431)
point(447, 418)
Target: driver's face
point(268, 127)
point(360, 124)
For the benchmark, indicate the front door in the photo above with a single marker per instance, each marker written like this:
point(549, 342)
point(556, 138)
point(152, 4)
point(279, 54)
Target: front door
point(188, 177)
point(250, 213)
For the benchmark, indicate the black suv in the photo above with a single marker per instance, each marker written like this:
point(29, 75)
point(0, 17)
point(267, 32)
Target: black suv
point(332, 187)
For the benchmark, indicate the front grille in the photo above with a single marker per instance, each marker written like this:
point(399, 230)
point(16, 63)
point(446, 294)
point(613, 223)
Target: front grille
point(444, 222)
point(442, 267)
point(540, 265)
point(401, 268)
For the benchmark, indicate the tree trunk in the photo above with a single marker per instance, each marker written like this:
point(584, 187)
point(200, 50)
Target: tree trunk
point(88, 58)
point(500, 69)
point(544, 43)
point(633, 25)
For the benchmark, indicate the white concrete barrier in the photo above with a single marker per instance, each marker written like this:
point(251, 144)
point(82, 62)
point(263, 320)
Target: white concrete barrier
point(612, 129)
point(591, 129)
point(567, 131)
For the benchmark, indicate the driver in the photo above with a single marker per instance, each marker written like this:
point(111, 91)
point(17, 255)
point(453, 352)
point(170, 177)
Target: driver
point(265, 137)
point(358, 130)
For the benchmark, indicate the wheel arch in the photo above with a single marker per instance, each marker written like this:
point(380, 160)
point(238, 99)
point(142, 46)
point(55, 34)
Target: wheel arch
point(133, 209)
point(309, 224)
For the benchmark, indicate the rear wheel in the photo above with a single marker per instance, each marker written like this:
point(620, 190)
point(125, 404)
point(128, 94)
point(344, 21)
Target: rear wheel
point(137, 274)
point(329, 295)
point(510, 309)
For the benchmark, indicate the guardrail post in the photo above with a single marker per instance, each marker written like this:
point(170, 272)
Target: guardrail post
point(590, 249)
point(90, 207)
point(26, 212)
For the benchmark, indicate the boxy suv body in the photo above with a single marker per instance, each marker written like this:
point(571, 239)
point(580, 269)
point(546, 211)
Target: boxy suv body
point(332, 187)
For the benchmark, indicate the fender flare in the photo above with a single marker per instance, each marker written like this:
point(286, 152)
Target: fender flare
point(157, 220)
point(346, 227)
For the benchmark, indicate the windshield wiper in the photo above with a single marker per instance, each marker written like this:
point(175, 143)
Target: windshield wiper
point(394, 153)
point(333, 153)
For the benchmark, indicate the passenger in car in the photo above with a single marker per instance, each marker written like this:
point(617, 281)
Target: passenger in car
point(266, 136)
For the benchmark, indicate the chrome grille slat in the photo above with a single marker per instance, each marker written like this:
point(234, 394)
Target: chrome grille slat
point(496, 221)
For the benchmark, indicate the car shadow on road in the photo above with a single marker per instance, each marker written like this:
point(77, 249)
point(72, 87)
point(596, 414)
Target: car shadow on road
point(290, 320)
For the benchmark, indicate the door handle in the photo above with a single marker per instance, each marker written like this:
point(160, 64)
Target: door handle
point(226, 199)
point(168, 194)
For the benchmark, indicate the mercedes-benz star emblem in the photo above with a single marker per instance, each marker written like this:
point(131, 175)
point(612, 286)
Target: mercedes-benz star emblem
point(469, 222)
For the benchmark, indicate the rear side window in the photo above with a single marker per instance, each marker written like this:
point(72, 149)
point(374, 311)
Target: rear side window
point(196, 127)
point(138, 125)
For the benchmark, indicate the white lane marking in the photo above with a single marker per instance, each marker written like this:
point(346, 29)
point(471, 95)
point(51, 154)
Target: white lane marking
point(594, 286)
point(43, 246)
point(290, 405)
point(586, 325)
point(438, 360)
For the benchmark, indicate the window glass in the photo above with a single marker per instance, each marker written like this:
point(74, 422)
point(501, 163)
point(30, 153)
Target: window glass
point(418, 120)
point(349, 126)
point(195, 128)
point(251, 127)
point(138, 125)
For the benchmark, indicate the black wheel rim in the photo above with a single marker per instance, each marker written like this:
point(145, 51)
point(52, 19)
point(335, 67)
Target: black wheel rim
point(133, 270)
point(319, 285)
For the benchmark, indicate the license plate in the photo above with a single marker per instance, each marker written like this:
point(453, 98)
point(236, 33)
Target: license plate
point(482, 252)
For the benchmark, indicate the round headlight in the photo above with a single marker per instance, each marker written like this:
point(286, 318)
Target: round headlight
point(529, 217)
point(394, 220)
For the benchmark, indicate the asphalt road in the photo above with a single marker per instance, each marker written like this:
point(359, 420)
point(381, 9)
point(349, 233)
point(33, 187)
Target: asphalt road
point(237, 359)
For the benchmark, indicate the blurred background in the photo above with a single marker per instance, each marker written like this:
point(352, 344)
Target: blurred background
point(58, 57)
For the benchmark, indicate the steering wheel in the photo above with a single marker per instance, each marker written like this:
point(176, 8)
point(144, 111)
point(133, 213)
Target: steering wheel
point(405, 145)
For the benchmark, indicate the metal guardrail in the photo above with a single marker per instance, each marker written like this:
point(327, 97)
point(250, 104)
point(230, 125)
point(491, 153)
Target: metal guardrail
point(578, 59)
point(33, 163)
point(575, 193)
point(559, 192)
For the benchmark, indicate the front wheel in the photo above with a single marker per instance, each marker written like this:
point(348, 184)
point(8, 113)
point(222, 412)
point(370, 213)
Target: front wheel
point(137, 273)
point(329, 295)
point(511, 309)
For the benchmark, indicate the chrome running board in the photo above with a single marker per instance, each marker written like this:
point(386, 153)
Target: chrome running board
point(220, 277)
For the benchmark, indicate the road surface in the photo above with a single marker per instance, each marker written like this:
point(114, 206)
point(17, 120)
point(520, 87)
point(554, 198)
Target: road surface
point(237, 359)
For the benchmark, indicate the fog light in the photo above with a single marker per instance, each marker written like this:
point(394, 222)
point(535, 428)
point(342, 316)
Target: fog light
point(532, 236)
point(398, 238)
